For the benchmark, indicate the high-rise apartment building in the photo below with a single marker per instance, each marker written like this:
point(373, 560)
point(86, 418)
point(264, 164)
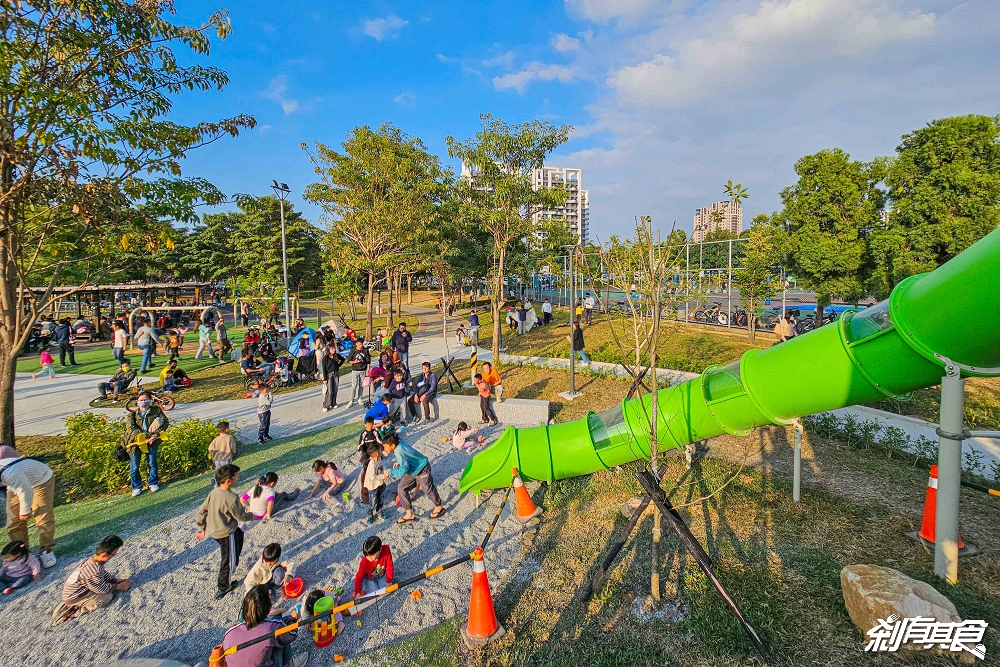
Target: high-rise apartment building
point(705, 221)
point(576, 208)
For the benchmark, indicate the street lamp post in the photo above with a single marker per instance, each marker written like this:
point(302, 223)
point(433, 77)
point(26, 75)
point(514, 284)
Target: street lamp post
point(281, 191)
point(572, 393)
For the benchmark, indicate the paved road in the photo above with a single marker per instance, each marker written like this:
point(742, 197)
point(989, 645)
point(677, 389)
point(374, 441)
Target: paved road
point(40, 406)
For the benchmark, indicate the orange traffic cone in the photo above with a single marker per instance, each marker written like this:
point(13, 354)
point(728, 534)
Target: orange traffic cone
point(526, 510)
point(483, 625)
point(218, 657)
point(928, 526)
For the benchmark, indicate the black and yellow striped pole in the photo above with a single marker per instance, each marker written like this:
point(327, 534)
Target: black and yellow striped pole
point(473, 364)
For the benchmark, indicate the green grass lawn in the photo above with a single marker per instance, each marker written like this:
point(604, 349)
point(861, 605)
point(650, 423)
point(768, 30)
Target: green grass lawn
point(80, 525)
point(97, 359)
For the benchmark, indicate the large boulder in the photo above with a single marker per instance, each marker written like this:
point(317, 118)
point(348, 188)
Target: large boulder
point(872, 593)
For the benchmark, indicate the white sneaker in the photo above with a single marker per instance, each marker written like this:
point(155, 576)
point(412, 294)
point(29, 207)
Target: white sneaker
point(136, 492)
point(350, 403)
point(326, 409)
point(48, 559)
point(153, 488)
point(300, 660)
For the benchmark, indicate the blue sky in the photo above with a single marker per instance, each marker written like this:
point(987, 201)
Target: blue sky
point(669, 99)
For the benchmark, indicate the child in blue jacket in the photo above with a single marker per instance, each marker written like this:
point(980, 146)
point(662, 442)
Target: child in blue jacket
point(411, 469)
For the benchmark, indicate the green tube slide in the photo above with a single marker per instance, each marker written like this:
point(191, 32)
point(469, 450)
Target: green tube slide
point(947, 317)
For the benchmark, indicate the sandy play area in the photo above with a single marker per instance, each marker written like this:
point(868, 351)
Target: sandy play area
point(170, 611)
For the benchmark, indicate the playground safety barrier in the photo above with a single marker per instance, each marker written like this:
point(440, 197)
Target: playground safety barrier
point(354, 607)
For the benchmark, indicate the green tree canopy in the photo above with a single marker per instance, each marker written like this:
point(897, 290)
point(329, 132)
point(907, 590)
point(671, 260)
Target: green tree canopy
point(820, 232)
point(88, 160)
point(944, 192)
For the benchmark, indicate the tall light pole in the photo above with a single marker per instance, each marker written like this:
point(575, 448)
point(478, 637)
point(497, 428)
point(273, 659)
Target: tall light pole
point(281, 191)
point(572, 393)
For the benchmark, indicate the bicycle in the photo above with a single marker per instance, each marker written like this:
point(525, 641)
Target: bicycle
point(164, 401)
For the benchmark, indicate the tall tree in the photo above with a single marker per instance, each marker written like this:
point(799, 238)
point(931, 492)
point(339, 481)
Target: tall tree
point(820, 231)
point(256, 241)
point(944, 192)
point(88, 161)
point(376, 193)
point(755, 279)
point(498, 194)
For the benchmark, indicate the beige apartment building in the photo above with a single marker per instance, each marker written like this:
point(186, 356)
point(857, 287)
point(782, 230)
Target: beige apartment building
point(704, 221)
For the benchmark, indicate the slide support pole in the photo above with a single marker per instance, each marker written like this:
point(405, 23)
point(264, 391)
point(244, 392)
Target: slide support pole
point(797, 465)
point(949, 474)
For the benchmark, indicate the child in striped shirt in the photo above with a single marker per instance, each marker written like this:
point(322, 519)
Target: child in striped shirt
point(90, 587)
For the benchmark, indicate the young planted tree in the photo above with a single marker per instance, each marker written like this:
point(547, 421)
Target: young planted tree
point(375, 192)
point(498, 195)
point(88, 161)
point(755, 280)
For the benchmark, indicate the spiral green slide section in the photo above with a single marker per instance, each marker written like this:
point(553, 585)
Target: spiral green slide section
point(951, 315)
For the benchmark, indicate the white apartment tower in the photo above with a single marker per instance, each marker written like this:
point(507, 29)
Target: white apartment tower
point(576, 209)
point(705, 221)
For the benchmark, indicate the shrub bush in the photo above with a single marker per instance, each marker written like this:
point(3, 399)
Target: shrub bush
point(90, 448)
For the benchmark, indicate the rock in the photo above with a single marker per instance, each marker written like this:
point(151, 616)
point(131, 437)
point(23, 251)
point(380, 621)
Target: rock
point(872, 593)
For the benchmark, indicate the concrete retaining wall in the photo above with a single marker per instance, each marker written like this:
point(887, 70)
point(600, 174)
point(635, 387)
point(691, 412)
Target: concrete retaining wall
point(512, 411)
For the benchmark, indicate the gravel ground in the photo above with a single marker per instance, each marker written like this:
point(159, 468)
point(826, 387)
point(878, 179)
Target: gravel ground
point(170, 611)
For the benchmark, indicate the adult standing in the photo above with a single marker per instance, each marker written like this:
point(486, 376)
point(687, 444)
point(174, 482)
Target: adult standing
point(222, 336)
point(245, 313)
point(546, 312)
point(145, 339)
point(401, 339)
point(360, 360)
point(578, 343)
point(474, 328)
point(329, 373)
point(119, 338)
point(492, 377)
point(143, 433)
point(31, 490)
point(426, 391)
point(588, 309)
point(522, 319)
point(272, 317)
point(64, 339)
point(204, 341)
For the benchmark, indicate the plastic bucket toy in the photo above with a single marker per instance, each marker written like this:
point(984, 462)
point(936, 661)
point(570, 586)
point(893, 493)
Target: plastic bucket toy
point(294, 588)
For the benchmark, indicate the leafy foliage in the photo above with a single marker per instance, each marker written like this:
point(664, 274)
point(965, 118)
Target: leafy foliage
point(754, 280)
point(90, 448)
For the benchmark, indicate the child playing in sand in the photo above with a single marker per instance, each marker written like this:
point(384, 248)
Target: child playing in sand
point(374, 482)
point(368, 437)
point(412, 469)
point(261, 620)
point(46, 360)
point(89, 586)
point(263, 501)
point(462, 437)
point(19, 567)
point(269, 570)
point(375, 569)
point(223, 449)
point(308, 608)
point(326, 471)
point(220, 517)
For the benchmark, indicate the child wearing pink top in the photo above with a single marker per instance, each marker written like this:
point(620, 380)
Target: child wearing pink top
point(46, 360)
point(462, 437)
point(326, 471)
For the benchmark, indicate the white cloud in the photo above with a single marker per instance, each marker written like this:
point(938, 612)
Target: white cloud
point(602, 11)
point(275, 92)
point(534, 71)
point(405, 99)
point(505, 59)
point(383, 28)
point(780, 33)
point(563, 43)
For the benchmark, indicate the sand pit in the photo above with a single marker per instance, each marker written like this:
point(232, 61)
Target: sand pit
point(170, 611)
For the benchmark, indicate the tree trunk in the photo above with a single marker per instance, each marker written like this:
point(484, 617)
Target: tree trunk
point(369, 307)
point(409, 289)
point(498, 297)
point(822, 301)
point(8, 366)
point(389, 302)
point(353, 307)
point(399, 295)
point(751, 320)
